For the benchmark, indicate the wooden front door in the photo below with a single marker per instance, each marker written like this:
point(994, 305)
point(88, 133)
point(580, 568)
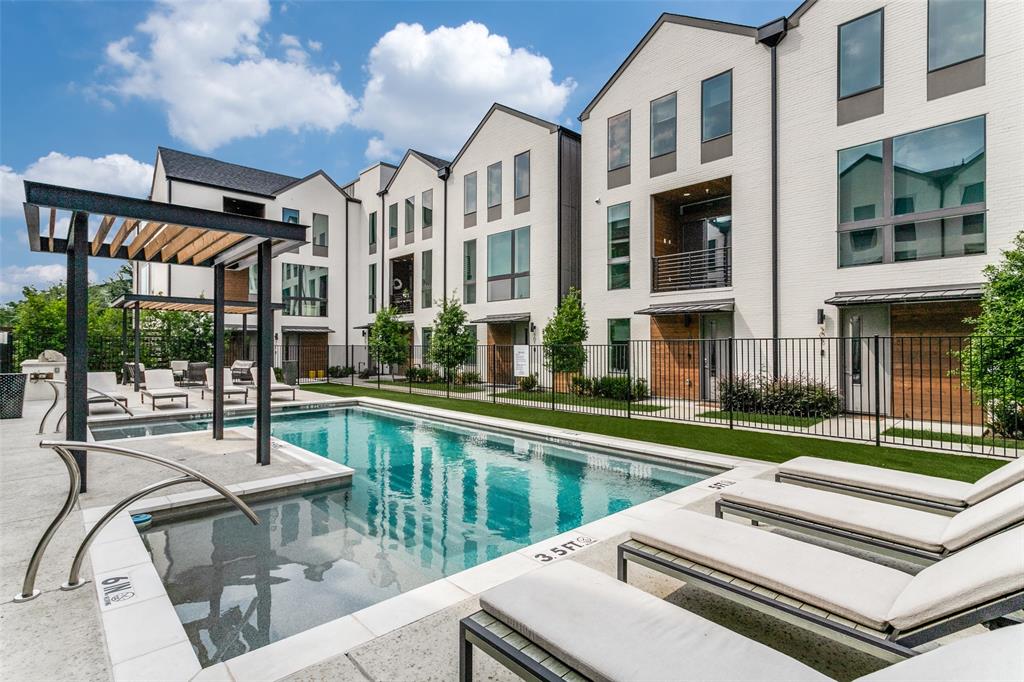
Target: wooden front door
point(676, 357)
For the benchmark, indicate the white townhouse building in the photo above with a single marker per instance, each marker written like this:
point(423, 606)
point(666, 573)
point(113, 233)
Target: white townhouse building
point(848, 170)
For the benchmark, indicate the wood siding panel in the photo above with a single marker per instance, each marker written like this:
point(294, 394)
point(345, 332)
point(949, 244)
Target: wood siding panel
point(675, 356)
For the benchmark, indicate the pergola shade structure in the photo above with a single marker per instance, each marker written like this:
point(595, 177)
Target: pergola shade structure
point(152, 232)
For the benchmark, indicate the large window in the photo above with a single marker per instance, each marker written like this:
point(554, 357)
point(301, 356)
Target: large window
point(937, 209)
point(427, 208)
point(290, 215)
point(320, 229)
point(426, 279)
point(243, 207)
point(410, 214)
point(618, 246)
point(716, 107)
point(508, 265)
point(372, 226)
point(860, 55)
point(372, 288)
point(469, 193)
point(304, 290)
point(494, 184)
point(393, 221)
point(469, 271)
point(618, 342)
point(522, 175)
point(618, 141)
point(956, 31)
point(663, 125)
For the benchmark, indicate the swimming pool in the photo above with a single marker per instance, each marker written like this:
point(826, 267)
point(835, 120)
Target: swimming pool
point(428, 499)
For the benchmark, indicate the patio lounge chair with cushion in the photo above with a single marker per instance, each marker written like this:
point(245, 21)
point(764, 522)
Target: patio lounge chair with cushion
point(103, 388)
point(873, 607)
point(196, 373)
point(566, 621)
point(909, 533)
point(129, 373)
point(275, 387)
point(229, 386)
point(160, 386)
point(179, 368)
point(900, 487)
point(240, 371)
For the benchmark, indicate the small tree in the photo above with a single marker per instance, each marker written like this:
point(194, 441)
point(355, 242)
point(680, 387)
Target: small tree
point(387, 341)
point(992, 364)
point(451, 344)
point(564, 335)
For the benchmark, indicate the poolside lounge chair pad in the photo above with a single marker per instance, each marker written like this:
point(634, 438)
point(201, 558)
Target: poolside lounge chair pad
point(978, 574)
point(988, 516)
point(909, 527)
point(854, 588)
point(608, 630)
point(1000, 479)
point(930, 488)
point(996, 656)
point(165, 392)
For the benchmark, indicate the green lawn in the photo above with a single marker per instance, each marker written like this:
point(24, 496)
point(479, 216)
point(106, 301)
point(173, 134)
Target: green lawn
point(921, 434)
point(762, 418)
point(772, 447)
point(431, 386)
point(579, 401)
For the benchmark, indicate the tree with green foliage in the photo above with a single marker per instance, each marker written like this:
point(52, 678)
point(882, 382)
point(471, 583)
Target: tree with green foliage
point(388, 340)
point(992, 364)
point(564, 335)
point(451, 343)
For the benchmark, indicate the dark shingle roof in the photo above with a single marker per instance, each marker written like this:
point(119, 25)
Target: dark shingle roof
point(437, 162)
point(202, 169)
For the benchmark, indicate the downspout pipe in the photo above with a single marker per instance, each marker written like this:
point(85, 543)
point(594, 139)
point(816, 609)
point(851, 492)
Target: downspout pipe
point(444, 173)
point(385, 235)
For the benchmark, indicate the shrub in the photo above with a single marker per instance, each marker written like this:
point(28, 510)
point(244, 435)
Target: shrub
point(347, 371)
point(614, 386)
point(641, 391)
point(795, 396)
point(528, 383)
point(1005, 418)
point(413, 374)
point(468, 377)
point(582, 385)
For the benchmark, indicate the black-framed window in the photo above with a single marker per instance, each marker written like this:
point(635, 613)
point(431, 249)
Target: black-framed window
point(320, 229)
point(716, 107)
point(242, 207)
point(618, 345)
point(426, 279)
point(304, 290)
point(494, 184)
point(663, 125)
point(521, 169)
point(371, 288)
point(410, 214)
point(372, 227)
point(618, 246)
point(861, 179)
point(618, 141)
point(290, 215)
point(860, 54)
point(508, 265)
point(469, 272)
point(469, 193)
point(940, 167)
point(956, 32)
point(427, 208)
point(426, 334)
point(393, 221)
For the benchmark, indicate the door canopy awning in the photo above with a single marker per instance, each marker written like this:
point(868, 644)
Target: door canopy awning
point(504, 318)
point(945, 292)
point(724, 305)
point(307, 330)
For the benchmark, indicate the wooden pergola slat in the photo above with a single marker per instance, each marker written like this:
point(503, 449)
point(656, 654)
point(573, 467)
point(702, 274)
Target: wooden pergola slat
point(224, 242)
point(145, 234)
point(53, 225)
point(197, 245)
point(158, 242)
point(101, 233)
point(127, 225)
point(179, 242)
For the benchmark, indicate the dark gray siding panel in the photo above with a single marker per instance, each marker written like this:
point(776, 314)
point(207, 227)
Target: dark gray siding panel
point(569, 198)
point(956, 78)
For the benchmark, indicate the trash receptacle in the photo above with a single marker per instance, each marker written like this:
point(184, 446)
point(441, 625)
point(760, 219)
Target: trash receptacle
point(12, 395)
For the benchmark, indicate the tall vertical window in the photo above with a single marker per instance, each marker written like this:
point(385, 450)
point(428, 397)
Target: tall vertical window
point(410, 214)
point(522, 175)
point(716, 107)
point(618, 342)
point(290, 215)
point(320, 229)
point(427, 207)
point(860, 182)
point(663, 125)
point(425, 335)
point(469, 272)
point(393, 221)
point(618, 141)
point(372, 226)
point(618, 246)
point(508, 265)
point(426, 279)
point(469, 193)
point(494, 184)
point(372, 288)
point(860, 55)
point(855, 350)
point(304, 290)
point(956, 31)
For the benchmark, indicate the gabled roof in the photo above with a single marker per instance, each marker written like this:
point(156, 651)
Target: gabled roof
point(203, 170)
point(552, 127)
point(437, 162)
point(667, 18)
point(312, 175)
point(434, 162)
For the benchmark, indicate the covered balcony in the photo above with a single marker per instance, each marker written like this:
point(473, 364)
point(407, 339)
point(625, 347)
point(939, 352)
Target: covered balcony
point(401, 284)
point(692, 237)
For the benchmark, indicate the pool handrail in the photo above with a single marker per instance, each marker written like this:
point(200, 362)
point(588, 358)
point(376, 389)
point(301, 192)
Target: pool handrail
point(63, 449)
point(56, 398)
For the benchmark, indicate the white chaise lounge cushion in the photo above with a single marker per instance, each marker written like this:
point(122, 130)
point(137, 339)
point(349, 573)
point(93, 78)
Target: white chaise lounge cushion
point(608, 630)
point(1002, 510)
point(161, 379)
point(910, 527)
point(854, 588)
point(229, 383)
point(1000, 479)
point(994, 656)
point(980, 573)
point(931, 488)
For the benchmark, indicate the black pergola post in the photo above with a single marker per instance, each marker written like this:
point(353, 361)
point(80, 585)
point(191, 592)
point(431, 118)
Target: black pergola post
point(218, 351)
point(138, 346)
point(264, 352)
point(76, 395)
point(245, 336)
point(124, 344)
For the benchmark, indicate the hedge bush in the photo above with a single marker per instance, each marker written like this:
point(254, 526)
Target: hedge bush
point(528, 383)
point(796, 396)
point(615, 387)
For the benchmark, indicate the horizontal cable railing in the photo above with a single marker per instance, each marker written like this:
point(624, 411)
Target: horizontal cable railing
point(704, 269)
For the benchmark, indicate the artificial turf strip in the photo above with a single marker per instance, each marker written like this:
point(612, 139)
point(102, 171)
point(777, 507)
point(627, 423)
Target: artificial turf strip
point(762, 418)
point(580, 401)
point(921, 434)
point(771, 447)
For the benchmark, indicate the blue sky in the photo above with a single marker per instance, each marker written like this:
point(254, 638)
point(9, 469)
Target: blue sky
point(88, 90)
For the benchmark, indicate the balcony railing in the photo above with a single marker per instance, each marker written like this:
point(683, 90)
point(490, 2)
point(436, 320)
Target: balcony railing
point(403, 304)
point(693, 270)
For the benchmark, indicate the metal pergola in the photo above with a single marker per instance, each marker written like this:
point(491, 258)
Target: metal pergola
point(152, 232)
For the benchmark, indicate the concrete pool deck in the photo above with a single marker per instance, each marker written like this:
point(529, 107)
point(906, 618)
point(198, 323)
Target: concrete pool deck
point(413, 636)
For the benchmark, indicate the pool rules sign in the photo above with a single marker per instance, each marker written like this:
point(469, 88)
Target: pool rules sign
point(521, 361)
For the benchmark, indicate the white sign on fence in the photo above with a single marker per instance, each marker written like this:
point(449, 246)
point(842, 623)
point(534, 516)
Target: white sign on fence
point(521, 361)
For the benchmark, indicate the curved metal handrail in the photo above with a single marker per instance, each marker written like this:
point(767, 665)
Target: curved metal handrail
point(63, 449)
point(117, 402)
point(56, 398)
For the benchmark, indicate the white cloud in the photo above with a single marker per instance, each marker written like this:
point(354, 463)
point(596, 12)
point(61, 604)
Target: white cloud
point(204, 62)
point(314, 45)
point(429, 89)
point(114, 173)
point(14, 277)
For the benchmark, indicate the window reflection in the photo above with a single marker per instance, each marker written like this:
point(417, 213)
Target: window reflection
point(860, 55)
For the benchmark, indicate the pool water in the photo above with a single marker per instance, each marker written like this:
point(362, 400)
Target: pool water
point(428, 499)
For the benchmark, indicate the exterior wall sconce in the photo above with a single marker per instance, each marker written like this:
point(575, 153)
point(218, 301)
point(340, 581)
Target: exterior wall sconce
point(821, 316)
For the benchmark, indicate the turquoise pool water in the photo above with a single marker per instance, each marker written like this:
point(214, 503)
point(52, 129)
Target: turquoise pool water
point(428, 500)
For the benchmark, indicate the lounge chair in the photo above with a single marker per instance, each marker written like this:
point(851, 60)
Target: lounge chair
point(240, 371)
point(129, 373)
point(900, 487)
point(569, 622)
point(229, 386)
point(908, 533)
point(103, 388)
point(195, 375)
point(873, 607)
point(160, 386)
point(275, 387)
point(179, 368)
